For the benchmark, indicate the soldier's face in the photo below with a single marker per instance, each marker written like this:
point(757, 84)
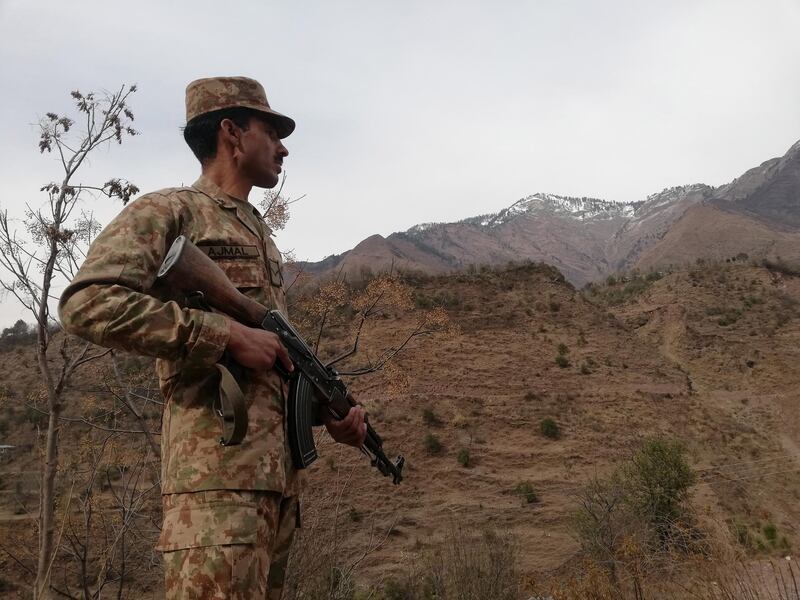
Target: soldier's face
point(262, 154)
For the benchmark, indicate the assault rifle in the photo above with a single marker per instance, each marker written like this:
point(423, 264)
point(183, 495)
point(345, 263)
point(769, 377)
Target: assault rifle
point(312, 385)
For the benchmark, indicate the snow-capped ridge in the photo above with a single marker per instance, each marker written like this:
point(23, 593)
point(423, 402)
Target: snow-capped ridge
point(581, 208)
point(671, 194)
point(423, 227)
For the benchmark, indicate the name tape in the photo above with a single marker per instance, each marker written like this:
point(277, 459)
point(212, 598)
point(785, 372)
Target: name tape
point(231, 251)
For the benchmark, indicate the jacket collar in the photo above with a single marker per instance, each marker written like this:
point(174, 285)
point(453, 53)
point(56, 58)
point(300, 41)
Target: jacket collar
point(213, 191)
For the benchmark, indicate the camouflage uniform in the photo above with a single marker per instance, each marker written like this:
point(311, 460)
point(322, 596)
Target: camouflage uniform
point(229, 512)
point(227, 544)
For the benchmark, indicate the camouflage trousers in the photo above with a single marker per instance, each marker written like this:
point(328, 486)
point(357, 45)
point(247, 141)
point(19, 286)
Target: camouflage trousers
point(227, 544)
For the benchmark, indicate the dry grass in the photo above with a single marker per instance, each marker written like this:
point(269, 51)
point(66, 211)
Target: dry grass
point(660, 364)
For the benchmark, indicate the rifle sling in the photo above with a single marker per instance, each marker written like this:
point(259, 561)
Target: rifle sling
point(231, 408)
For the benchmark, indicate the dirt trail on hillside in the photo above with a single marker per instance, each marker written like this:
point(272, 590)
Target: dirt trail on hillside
point(790, 420)
point(663, 325)
point(673, 338)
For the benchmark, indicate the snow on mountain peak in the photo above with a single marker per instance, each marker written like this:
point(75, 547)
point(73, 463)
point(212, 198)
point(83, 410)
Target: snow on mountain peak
point(578, 208)
point(671, 194)
point(422, 228)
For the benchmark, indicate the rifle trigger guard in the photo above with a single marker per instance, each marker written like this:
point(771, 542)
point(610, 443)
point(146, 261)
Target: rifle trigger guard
point(197, 299)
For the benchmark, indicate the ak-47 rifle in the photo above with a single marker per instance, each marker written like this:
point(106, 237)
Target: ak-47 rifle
point(312, 385)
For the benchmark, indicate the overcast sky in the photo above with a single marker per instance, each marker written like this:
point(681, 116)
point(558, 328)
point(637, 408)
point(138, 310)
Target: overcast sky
point(413, 111)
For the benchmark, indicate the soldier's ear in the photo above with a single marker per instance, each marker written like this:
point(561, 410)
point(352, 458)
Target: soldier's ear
point(231, 133)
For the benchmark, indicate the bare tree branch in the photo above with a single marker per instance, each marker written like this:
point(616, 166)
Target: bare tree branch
point(52, 248)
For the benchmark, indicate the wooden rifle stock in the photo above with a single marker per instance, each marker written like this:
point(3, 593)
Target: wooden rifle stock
point(187, 269)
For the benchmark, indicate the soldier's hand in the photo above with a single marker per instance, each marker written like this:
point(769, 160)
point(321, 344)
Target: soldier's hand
point(352, 430)
point(256, 348)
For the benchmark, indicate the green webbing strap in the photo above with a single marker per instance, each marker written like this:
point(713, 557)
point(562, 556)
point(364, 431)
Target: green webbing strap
point(231, 408)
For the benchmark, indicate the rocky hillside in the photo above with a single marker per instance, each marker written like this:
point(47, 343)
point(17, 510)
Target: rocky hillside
point(588, 239)
point(769, 192)
point(703, 356)
point(757, 215)
point(706, 356)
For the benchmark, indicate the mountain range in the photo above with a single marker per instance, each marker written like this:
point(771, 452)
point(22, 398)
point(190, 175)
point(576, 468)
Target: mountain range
point(587, 239)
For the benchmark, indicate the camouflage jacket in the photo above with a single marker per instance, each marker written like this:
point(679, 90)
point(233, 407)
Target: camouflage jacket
point(115, 301)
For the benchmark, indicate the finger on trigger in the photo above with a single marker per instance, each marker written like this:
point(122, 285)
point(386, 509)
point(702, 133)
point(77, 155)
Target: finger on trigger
point(284, 356)
point(359, 420)
point(354, 427)
point(347, 420)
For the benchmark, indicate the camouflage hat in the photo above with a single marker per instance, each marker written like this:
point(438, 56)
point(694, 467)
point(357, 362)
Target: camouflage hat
point(215, 93)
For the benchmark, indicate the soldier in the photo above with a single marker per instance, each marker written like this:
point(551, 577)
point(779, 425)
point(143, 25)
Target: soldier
point(229, 511)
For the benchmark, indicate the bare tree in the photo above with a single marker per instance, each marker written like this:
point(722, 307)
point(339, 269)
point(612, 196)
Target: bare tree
point(107, 537)
point(350, 309)
point(604, 525)
point(57, 237)
point(321, 565)
point(275, 205)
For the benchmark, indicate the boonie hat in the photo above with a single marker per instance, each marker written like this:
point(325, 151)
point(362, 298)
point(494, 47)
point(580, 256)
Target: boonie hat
point(215, 93)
